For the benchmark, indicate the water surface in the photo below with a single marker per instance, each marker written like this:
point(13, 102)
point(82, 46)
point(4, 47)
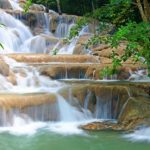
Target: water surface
point(43, 140)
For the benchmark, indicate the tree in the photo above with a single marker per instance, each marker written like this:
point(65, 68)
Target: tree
point(58, 6)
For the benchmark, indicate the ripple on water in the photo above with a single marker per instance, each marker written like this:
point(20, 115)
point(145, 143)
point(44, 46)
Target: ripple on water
point(142, 134)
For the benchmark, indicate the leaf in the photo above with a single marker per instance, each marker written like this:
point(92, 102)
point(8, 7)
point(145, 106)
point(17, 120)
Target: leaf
point(1, 46)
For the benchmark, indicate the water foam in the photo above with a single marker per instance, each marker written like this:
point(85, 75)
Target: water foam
point(142, 134)
point(23, 127)
point(66, 128)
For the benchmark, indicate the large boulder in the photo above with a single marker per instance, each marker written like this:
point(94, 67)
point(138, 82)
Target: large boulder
point(5, 4)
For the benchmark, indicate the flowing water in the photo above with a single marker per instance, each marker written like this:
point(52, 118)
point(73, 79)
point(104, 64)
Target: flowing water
point(50, 125)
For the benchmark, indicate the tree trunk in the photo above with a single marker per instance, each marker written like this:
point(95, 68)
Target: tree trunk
point(144, 18)
point(146, 9)
point(92, 3)
point(58, 6)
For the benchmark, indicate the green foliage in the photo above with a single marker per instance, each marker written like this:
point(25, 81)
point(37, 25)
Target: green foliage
point(137, 39)
point(27, 5)
point(48, 3)
point(77, 28)
point(107, 72)
point(77, 7)
point(55, 51)
point(1, 46)
point(117, 14)
point(120, 1)
point(137, 46)
point(1, 26)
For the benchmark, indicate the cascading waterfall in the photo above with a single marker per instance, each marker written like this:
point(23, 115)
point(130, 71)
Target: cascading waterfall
point(15, 5)
point(20, 39)
point(60, 116)
point(69, 113)
point(29, 80)
point(64, 27)
point(103, 108)
point(14, 33)
point(68, 49)
point(17, 38)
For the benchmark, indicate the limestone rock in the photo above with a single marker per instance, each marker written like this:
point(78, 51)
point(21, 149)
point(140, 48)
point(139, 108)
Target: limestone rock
point(5, 4)
point(37, 7)
point(4, 68)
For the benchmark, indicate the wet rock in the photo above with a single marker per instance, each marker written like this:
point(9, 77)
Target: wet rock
point(9, 101)
point(4, 68)
point(37, 58)
point(29, 106)
point(12, 78)
point(37, 7)
point(5, 4)
point(130, 105)
point(108, 125)
point(96, 126)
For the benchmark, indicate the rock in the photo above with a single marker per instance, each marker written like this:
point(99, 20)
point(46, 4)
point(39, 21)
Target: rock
point(100, 47)
point(36, 106)
point(37, 58)
point(79, 50)
point(37, 7)
point(102, 126)
point(23, 101)
point(83, 39)
point(12, 78)
point(105, 60)
point(4, 68)
point(5, 4)
point(130, 104)
point(107, 125)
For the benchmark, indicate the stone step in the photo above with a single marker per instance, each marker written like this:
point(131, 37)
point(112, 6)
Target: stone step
point(84, 70)
point(44, 58)
point(21, 101)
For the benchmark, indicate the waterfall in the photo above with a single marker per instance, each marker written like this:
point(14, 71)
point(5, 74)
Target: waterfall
point(30, 101)
point(69, 49)
point(29, 79)
point(103, 108)
point(15, 5)
point(64, 26)
point(36, 44)
point(14, 33)
point(68, 113)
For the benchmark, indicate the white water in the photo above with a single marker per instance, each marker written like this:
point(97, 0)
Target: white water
point(18, 38)
point(23, 127)
point(69, 49)
point(142, 134)
point(137, 75)
point(69, 113)
point(15, 5)
point(28, 79)
point(36, 44)
point(14, 33)
point(64, 27)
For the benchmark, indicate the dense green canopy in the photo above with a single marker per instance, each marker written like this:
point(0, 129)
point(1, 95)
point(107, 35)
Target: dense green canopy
point(77, 7)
